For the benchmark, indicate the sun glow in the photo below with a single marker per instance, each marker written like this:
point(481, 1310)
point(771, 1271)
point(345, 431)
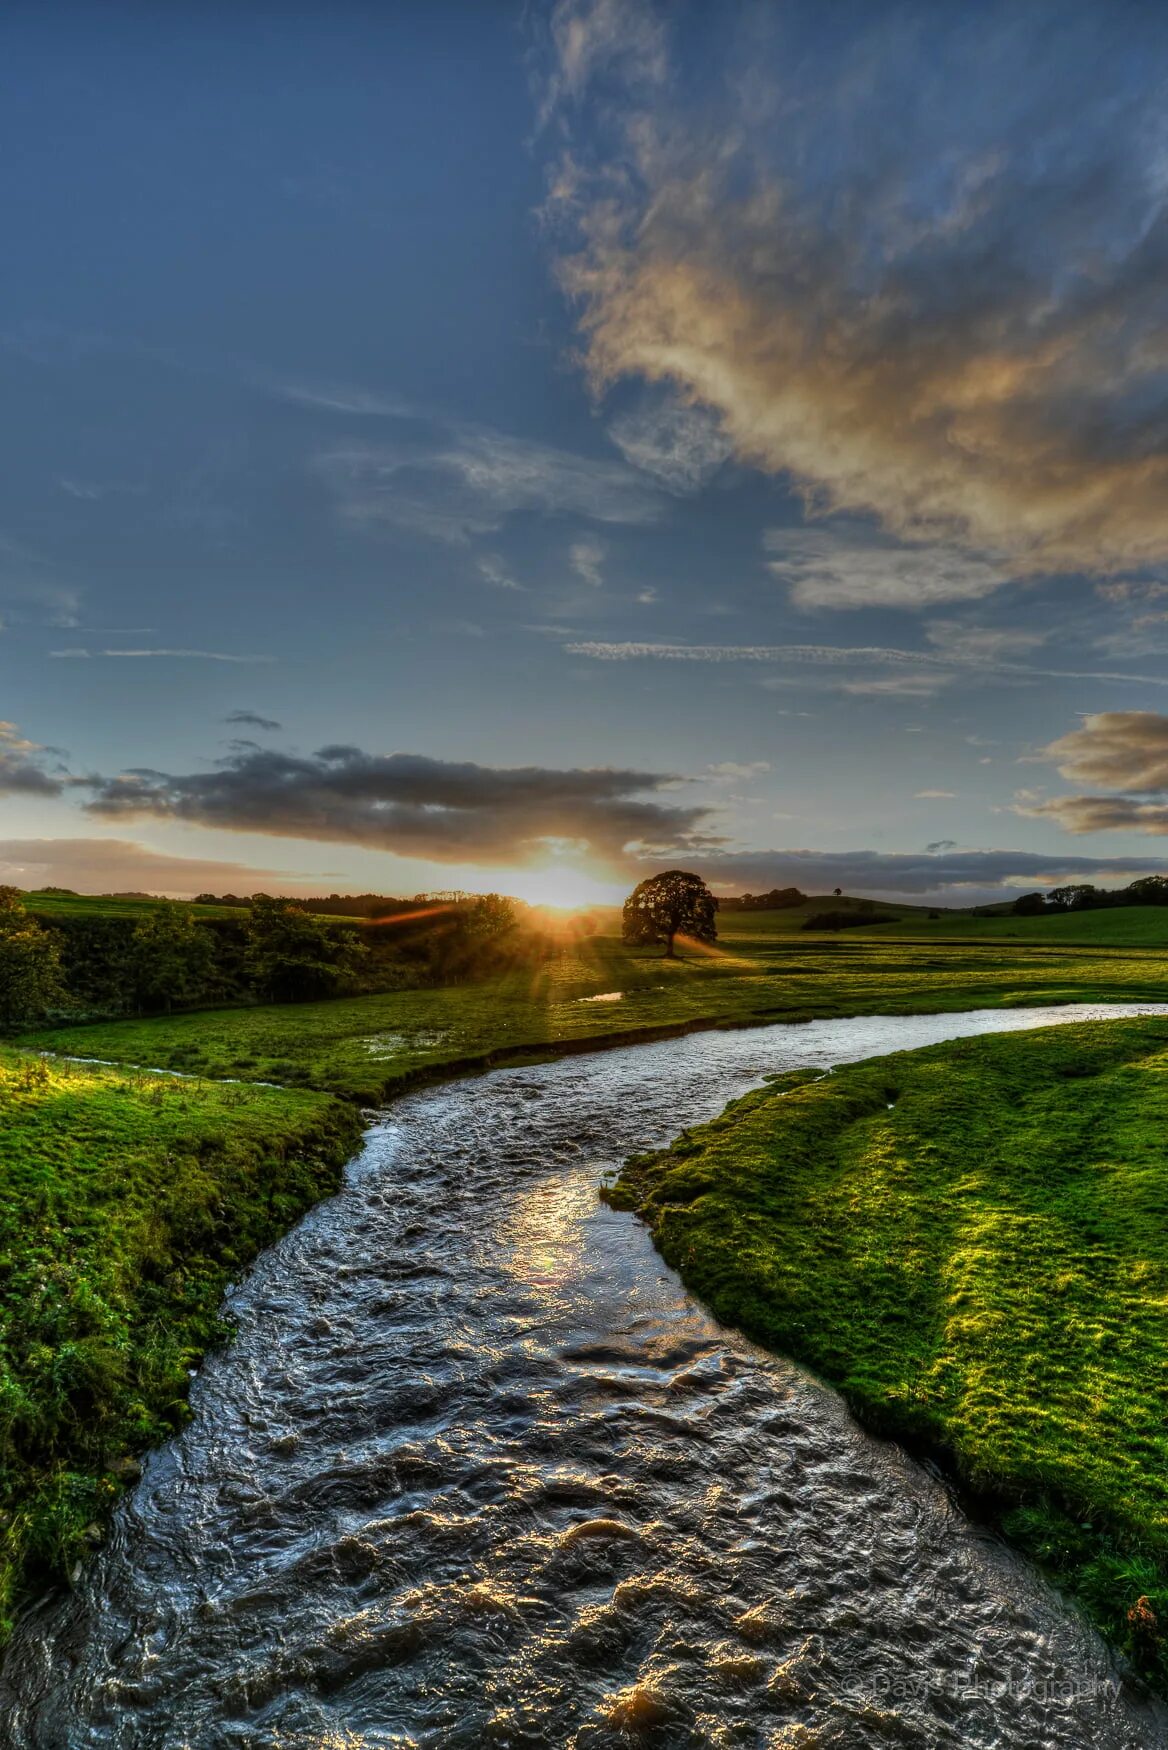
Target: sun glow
point(562, 886)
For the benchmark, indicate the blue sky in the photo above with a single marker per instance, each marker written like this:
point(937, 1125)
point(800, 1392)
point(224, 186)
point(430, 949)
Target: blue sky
point(587, 436)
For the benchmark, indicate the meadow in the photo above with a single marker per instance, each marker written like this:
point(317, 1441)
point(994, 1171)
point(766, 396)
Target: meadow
point(971, 1242)
point(130, 1202)
point(595, 991)
point(134, 1198)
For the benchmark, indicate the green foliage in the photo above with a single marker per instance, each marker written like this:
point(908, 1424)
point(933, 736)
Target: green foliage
point(30, 964)
point(292, 957)
point(129, 1203)
point(670, 905)
point(368, 1047)
point(172, 960)
point(972, 1242)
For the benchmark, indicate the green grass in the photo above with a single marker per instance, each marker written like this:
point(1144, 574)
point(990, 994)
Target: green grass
point(129, 1203)
point(971, 1241)
point(51, 905)
point(1135, 926)
point(366, 1048)
point(130, 1200)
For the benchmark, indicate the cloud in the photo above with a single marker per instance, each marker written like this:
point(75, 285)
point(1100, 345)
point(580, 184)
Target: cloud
point(494, 571)
point(1086, 814)
point(97, 865)
point(682, 447)
point(22, 771)
point(971, 657)
point(924, 685)
point(737, 771)
point(894, 271)
point(252, 720)
point(344, 399)
point(458, 482)
point(960, 876)
point(411, 806)
point(593, 39)
point(976, 645)
point(823, 569)
point(586, 559)
point(1124, 751)
point(83, 654)
point(934, 795)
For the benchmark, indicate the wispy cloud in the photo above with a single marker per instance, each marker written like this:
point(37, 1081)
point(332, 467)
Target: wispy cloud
point(108, 865)
point(586, 559)
point(682, 447)
point(84, 654)
point(495, 572)
point(827, 569)
point(737, 771)
point(846, 656)
point(252, 720)
point(470, 481)
point(965, 340)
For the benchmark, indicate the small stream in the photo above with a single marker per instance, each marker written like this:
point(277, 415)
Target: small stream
point(475, 1471)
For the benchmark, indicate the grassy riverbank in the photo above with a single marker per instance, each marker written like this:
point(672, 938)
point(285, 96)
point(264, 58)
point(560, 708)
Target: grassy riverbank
point(368, 1048)
point(130, 1200)
point(129, 1204)
point(971, 1241)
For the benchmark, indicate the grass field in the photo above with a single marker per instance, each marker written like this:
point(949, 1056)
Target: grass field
point(1134, 926)
point(971, 1241)
point(367, 1047)
point(129, 1203)
point(132, 1199)
point(51, 905)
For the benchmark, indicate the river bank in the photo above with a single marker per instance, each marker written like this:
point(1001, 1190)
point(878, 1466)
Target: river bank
point(130, 1202)
point(970, 1243)
point(600, 993)
point(474, 1469)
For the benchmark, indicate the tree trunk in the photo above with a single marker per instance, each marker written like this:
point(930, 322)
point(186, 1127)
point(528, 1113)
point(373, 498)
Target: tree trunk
point(669, 954)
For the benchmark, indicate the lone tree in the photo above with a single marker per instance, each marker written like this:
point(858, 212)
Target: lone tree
point(674, 904)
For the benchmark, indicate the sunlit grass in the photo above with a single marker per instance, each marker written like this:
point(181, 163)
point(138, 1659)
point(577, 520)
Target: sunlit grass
point(750, 975)
point(972, 1242)
point(129, 1203)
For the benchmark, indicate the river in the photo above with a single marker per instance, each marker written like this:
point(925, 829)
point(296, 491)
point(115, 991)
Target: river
point(475, 1471)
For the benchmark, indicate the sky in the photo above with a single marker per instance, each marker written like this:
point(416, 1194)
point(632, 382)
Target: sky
point(523, 447)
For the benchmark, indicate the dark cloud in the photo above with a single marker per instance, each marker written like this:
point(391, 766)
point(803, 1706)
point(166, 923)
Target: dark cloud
point(412, 806)
point(22, 771)
point(909, 280)
point(1123, 751)
point(1120, 750)
point(252, 720)
point(959, 876)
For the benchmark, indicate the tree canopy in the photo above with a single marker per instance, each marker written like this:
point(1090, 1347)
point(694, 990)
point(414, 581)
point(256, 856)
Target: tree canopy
point(30, 964)
point(675, 903)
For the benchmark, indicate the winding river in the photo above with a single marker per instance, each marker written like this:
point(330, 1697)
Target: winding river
point(475, 1471)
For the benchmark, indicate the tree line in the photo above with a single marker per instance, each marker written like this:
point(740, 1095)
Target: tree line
point(1082, 896)
point(79, 964)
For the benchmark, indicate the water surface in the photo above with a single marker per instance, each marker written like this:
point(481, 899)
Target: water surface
point(476, 1471)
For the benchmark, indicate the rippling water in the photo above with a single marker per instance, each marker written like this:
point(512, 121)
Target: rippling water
point(476, 1472)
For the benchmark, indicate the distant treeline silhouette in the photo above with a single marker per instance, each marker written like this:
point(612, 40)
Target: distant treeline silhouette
point(1082, 896)
point(778, 899)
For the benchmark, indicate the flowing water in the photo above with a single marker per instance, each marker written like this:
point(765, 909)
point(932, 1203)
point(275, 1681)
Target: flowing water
point(475, 1472)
